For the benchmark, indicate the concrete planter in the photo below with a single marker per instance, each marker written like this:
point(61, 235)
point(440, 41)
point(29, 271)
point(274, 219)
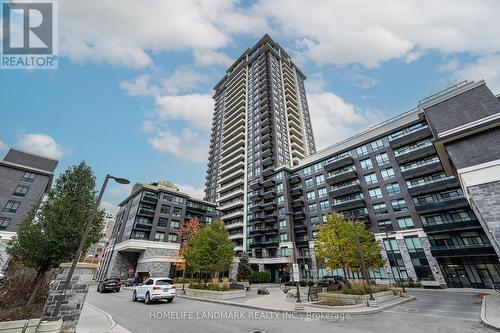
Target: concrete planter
point(346, 299)
point(218, 295)
point(430, 284)
point(32, 326)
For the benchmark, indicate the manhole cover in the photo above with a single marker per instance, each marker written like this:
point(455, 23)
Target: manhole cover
point(257, 330)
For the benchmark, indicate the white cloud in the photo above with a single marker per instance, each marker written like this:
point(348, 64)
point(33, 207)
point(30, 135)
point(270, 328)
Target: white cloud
point(188, 145)
point(372, 32)
point(316, 83)
point(195, 192)
point(2, 145)
point(140, 86)
point(196, 109)
point(120, 191)
point(209, 57)
point(487, 68)
point(183, 79)
point(124, 32)
point(41, 144)
point(110, 207)
point(333, 119)
point(360, 80)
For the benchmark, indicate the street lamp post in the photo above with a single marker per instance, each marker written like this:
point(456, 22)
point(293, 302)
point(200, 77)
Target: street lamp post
point(298, 303)
point(85, 235)
point(395, 262)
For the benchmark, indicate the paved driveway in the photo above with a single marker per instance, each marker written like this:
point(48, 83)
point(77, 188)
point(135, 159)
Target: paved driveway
point(432, 312)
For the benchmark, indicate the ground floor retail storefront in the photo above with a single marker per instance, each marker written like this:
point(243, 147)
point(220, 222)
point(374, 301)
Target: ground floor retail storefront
point(470, 272)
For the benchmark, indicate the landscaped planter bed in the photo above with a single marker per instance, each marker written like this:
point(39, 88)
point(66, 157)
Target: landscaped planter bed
point(32, 326)
point(218, 295)
point(347, 299)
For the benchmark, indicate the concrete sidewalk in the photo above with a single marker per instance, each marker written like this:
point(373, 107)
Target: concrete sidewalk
point(277, 301)
point(94, 320)
point(490, 310)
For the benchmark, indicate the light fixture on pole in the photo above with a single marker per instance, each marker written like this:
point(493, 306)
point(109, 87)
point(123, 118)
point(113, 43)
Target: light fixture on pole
point(88, 227)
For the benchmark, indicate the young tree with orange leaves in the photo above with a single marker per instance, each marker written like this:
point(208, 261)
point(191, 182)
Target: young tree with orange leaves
point(186, 233)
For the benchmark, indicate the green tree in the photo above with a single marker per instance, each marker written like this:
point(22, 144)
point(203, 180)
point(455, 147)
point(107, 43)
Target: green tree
point(51, 234)
point(211, 250)
point(346, 244)
point(244, 268)
point(334, 244)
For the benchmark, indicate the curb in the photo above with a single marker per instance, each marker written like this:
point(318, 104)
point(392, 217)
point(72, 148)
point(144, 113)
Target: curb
point(255, 307)
point(110, 318)
point(484, 320)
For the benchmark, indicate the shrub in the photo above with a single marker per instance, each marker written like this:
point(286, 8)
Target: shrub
point(225, 283)
point(303, 283)
point(360, 287)
point(289, 283)
point(310, 283)
point(259, 277)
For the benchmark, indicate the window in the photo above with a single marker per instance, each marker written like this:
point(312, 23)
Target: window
point(371, 178)
point(471, 238)
point(279, 187)
point(313, 208)
point(283, 237)
point(4, 222)
point(393, 189)
point(144, 220)
point(165, 209)
point(382, 159)
point(283, 224)
point(162, 222)
point(179, 200)
point(387, 173)
point(136, 234)
point(11, 206)
point(399, 205)
point(380, 209)
point(375, 193)
point(366, 164)
point(177, 212)
point(20, 191)
point(307, 171)
point(28, 176)
point(174, 224)
point(361, 151)
point(172, 238)
point(324, 205)
point(317, 167)
point(413, 244)
point(280, 199)
point(167, 196)
point(159, 236)
point(405, 223)
point(311, 195)
point(385, 225)
point(377, 144)
point(314, 220)
point(320, 179)
point(309, 183)
point(322, 192)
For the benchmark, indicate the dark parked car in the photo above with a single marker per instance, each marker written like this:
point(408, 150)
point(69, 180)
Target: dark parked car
point(332, 279)
point(130, 282)
point(109, 284)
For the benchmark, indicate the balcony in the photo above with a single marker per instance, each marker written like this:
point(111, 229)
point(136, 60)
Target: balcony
point(257, 208)
point(435, 185)
point(415, 154)
point(269, 194)
point(296, 191)
point(256, 185)
point(300, 228)
point(150, 198)
point(422, 170)
point(299, 215)
point(269, 206)
point(267, 172)
point(341, 177)
point(266, 153)
point(270, 218)
point(451, 226)
point(462, 250)
point(410, 137)
point(341, 161)
point(349, 204)
point(256, 197)
point(302, 243)
point(442, 205)
point(298, 203)
point(267, 161)
point(146, 212)
point(268, 183)
point(345, 190)
point(294, 179)
point(266, 145)
point(256, 219)
point(270, 243)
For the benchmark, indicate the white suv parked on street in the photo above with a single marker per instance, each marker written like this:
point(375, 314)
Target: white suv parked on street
point(154, 289)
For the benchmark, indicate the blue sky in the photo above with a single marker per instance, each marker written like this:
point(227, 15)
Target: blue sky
point(132, 95)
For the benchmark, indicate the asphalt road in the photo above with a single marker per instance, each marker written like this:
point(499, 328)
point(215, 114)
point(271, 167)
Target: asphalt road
point(432, 312)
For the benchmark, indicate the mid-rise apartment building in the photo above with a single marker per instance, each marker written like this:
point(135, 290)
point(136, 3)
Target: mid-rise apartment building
point(95, 252)
point(405, 179)
point(144, 240)
point(261, 121)
point(24, 179)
